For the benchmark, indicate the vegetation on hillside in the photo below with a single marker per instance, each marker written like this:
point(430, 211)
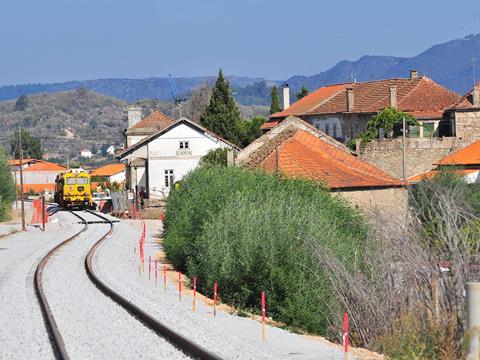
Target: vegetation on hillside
point(7, 186)
point(275, 101)
point(302, 93)
point(250, 231)
point(31, 145)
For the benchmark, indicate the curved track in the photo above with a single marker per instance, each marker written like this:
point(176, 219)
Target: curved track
point(179, 341)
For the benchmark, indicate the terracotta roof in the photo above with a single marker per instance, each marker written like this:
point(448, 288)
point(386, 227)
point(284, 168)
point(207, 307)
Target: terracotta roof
point(469, 155)
point(156, 119)
point(421, 97)
point(12, 162)
point(311, 101)
point(300, 153)
point(432, 173)
point(108, 170)
point(37, 188)
point(45, 166)
point(269, 124)
point(464, 103)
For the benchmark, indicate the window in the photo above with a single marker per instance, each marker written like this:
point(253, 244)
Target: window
point(82, 181)
point(70, 181)
point(184, 145)
point(334, 130)
point(169, 178)
point(327, 128)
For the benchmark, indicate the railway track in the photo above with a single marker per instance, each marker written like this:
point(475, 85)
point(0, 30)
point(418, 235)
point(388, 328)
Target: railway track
point(180, 342)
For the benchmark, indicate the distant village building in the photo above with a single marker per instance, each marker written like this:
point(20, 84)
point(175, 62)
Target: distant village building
point(168, 155)
point(112, 172)
point(294, 148)
point(86, 154)
point(38, 175)
point(111, 150)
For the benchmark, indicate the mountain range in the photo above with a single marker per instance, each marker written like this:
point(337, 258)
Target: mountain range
point(450, 64)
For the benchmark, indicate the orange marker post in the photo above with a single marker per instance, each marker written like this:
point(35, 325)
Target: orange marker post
point(194, 292)
point(345, 334)
point(263, 316)
point(215, 289)
point(179, 286)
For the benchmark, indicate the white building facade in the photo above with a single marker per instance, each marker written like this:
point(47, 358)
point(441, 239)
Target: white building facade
point(170, 154)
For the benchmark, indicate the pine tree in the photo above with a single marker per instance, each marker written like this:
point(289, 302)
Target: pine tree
point(222, 115)
point(275, 107)
point(302, 93)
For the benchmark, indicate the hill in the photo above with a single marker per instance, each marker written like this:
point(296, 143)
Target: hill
point(72, 120)
point(449, 64)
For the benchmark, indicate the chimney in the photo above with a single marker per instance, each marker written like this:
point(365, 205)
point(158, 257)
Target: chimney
point(393, 96)
point(476, 95)
point(350, 100)
point(286, 97)
point(134, 115)
point(413, 74)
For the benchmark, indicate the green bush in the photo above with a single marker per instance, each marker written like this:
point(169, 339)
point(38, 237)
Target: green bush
point(250, 231)
point(7, 186)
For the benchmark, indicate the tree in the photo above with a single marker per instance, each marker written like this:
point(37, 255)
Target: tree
point(275, 106)
point(302, 93)
point(7, 187)
point(222, 115)
point(198, 102)
point(251, 129)
point(32, 147)
point(22, 103)
point(385, 121)
point(215, 157)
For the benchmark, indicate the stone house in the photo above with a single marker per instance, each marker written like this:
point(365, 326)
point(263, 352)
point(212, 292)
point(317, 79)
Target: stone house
point(295, 148)
point(343, 110)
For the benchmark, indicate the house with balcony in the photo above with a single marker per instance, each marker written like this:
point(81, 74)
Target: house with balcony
point(169, 154)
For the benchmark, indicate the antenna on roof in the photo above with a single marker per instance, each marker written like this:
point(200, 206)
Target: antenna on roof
point(474, 59)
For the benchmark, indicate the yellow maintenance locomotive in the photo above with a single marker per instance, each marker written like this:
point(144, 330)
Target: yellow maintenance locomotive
point(73, 189)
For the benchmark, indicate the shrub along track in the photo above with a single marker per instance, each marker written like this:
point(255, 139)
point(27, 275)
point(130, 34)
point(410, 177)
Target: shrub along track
point(180, 342)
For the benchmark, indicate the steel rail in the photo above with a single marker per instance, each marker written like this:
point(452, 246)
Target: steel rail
point(56, 339)
point(182, 343)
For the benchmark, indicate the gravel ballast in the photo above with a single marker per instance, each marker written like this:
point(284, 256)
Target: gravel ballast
point(92, 325)
point(227, 335)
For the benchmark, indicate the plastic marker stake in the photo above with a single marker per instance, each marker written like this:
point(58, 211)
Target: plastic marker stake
point(164, 278)
point(179, 286)
point(156, 273)
point(194, 292)
point(263, 316)
point(345, 334)
point(149, 266)
point(215, 288)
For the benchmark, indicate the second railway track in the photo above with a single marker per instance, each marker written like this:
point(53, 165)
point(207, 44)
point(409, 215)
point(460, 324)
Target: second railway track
point(79, 319)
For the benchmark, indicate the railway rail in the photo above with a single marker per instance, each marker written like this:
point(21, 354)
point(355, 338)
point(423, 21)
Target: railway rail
point(58, 345)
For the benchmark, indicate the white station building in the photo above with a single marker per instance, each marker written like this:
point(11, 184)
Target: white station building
point(168, 155)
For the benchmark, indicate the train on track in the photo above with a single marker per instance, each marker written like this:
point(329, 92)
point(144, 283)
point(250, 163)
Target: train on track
point(73, 190)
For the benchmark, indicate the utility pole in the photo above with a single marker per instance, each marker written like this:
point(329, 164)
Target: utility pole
point(404, 152)
point(24, 228)
point(15, 178)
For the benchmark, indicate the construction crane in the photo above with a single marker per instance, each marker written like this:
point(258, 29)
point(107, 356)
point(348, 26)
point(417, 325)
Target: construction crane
point(177, 99)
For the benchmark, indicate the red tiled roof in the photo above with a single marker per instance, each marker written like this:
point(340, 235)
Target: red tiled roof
point(421, 97)
point(307, 156)
point(269, 124)
point(41, 165)
point(156, 120)
point(309, 102)
point(12, 162)
point(108, 170)
point(432, 173)
point(469, 155)
point(464, 103)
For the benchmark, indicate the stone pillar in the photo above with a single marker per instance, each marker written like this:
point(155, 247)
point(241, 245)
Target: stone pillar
point(473, 320)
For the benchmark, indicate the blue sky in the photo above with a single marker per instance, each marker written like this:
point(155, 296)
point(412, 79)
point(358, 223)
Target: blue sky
point(59, 40)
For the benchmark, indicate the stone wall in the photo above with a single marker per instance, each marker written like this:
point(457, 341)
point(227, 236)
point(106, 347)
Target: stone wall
point(390, 202)
point(467, 124)
point(421, 153)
